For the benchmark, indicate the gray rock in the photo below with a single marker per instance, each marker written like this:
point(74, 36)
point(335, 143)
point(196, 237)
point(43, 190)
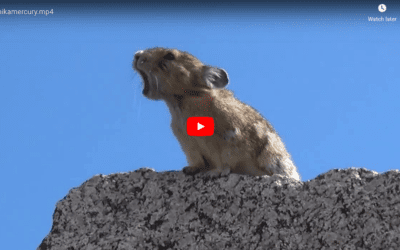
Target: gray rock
point(341, 209)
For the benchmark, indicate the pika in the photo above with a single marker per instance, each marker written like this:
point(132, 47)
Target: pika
point(243, 141)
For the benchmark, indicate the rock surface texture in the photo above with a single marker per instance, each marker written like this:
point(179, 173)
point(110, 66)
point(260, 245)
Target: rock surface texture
point(342, 209)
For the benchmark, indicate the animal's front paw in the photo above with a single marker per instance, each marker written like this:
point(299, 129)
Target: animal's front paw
point(191, 170)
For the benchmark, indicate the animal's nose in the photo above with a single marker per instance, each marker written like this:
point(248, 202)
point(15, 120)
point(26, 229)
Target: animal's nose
point(138, 54)
point(140, 58)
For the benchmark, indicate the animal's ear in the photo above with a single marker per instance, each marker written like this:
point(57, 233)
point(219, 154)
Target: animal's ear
point(215, 77)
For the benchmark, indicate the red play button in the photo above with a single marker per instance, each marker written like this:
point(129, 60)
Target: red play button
point(200, 126)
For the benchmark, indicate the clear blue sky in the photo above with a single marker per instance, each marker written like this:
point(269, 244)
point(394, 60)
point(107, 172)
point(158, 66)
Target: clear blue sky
point(71, 106)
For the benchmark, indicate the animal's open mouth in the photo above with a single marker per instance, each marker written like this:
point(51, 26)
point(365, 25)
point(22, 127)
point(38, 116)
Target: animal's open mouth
point(145, 82)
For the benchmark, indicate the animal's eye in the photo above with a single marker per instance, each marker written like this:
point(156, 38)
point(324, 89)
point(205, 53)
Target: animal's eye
point(169, 56)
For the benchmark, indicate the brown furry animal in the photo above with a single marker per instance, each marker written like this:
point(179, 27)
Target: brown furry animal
point(243, 141)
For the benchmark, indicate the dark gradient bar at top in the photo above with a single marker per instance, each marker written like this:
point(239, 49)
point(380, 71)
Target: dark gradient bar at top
point(299, 7)
point(278, 17)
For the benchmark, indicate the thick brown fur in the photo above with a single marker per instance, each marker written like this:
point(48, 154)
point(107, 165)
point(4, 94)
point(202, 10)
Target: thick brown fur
point(243, 141)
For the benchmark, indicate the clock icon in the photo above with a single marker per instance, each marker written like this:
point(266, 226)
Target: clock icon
point(382, 7)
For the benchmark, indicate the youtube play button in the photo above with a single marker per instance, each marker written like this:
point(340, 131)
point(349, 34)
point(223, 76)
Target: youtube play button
point(200, 126)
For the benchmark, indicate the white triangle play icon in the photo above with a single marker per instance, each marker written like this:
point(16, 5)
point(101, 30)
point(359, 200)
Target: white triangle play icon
point(199, 126)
